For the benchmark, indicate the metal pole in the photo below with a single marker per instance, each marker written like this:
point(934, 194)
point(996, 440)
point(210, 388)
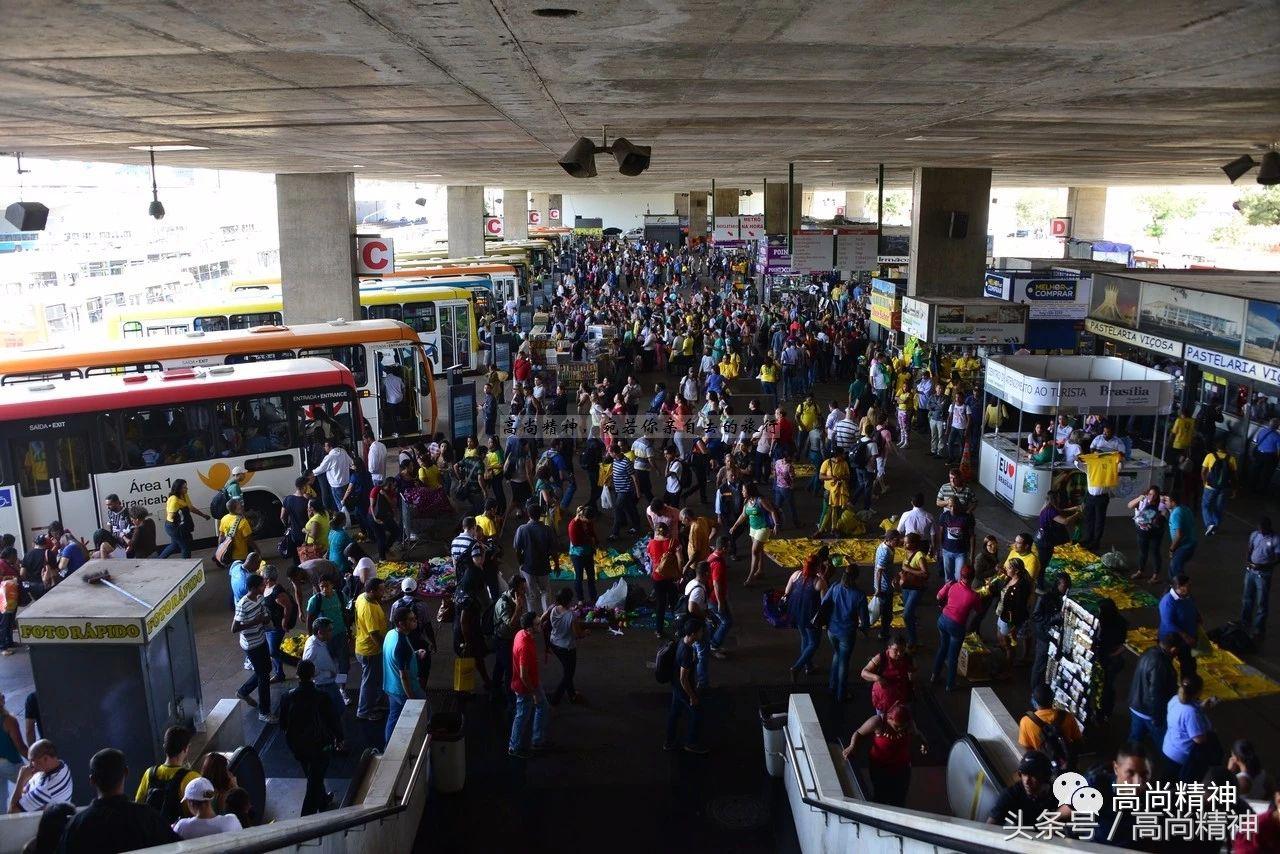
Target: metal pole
point(713, 205)
point(791, 189)
point(764, 204)
point(880, 209)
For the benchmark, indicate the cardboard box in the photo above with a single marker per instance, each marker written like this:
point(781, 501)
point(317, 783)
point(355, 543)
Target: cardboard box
point(977, 663)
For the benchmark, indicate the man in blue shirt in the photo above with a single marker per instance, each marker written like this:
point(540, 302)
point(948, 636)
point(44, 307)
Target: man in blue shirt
point(1266, 446)
point(1182, 534)
point(1180, 622)
point(882, 579)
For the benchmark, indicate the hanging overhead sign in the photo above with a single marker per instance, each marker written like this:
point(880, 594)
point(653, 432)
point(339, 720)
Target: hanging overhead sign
point(812, 251)
point(726, 231)
point(493, 226)
point(553, 214)
point(1131, 336)
point(375, 256)
point(535, 218)
point(1060, 226)
point(885, 304)
point(915, 318)
point(1050, 298)
point(751, 227)
point(1238, 365)
point(856, 249)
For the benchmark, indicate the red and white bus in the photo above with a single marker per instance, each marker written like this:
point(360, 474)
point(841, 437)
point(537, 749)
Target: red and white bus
point(65, 446)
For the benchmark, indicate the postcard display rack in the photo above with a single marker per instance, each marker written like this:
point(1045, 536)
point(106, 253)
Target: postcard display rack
point(1074, 674)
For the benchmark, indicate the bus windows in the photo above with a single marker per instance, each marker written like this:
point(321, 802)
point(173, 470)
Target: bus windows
point(73, 463)
point(385, 312)
point(164, 435)
point(256, 318)
point(397, 403)
point(210, 323)
point(263, 423)
point(455, 336)
point(13, 379)
point(143, 368)
point(132, 329)
point(31, 462)
point(245, 358)
point(420, 316)
point(352, 356)
point(112, 456)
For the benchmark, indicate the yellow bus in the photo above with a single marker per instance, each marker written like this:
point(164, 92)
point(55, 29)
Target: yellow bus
point(394, 382)
point(443, 317)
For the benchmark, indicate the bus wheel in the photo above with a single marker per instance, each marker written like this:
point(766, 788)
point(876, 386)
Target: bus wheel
point(262, 509)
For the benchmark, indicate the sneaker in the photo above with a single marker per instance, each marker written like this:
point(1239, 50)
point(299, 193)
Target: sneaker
point(719, 653)
point(696, 749)
point(669, 746)
point(268, 719)
point(9, 651)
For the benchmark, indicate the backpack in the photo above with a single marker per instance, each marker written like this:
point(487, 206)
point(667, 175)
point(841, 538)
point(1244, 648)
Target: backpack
point(488, 620)
point(682, 604)
point(1219, 473)
point(165, 798)
point(1053, 743)
point(218, 506)
point(664, 662)
point(686, 475)
point(860, 455)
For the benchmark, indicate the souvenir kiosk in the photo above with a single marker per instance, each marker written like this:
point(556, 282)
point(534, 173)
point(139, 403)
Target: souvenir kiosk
point(1039, 389)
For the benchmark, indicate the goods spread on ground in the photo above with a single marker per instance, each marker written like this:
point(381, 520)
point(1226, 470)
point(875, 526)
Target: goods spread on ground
point(1225, 675)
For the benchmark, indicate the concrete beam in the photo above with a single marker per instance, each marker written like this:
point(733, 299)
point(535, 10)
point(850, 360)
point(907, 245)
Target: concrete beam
point(775, 207)
point(943, 263)
point(541, 202)
point(515, 214)
point(699, 211)
point(681, 203)
point(1087, 207)
point(555, 205)
point(465, 212)
point(316, 216)
point(726, 201)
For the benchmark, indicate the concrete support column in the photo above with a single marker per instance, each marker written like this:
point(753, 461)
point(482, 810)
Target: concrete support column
point(806, 203)
point(854, 202)
point(699, 202)
point(515, 214)
point(944, 263)
point(1087, 207)
point(541, 202)
point(316, 216)
point(726, 201)
point(465, 213)
point(775, 207)
point(681, 202)
point(555, 204)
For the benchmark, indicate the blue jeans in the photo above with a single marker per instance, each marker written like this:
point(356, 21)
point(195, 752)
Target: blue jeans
point(955, 446)
point(910, 599)
point(534, 704)
point(722, 630)
point(584, 569)
point(274, 637)
point(951, 563)
point(261, 678)
point(810, 638)
point(770, 390)
point(179, 541)
point(570, 487)
point(395, 705)
point(1140, 728)
point(862, 486)
point(784, 498)
point(842, 649)
point(679, 704)
point(1179, 558)
point(1212, 505)
point(950, 639)
point(1256, 602)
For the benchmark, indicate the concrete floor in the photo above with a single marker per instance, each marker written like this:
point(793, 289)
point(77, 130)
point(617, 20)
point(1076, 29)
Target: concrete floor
point(607, 778)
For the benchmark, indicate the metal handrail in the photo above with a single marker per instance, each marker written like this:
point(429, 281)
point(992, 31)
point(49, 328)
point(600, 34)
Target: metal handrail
point(297, 837)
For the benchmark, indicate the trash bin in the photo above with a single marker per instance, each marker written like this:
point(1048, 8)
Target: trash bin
point(773, 723)
point(448, 752)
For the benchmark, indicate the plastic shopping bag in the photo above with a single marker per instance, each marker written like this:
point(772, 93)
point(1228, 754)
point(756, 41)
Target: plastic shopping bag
point(615, 596)
point(464, 675)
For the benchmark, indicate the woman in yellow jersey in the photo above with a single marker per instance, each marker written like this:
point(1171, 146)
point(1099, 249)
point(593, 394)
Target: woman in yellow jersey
point(178, 523)
point(493, 461)
point(315, 532)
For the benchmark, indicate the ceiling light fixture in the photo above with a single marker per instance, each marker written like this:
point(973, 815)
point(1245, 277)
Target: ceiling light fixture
point(25, 216)
point(1269, 171)
point(1238, 167)
point(940, 138)
point(580, 160)
point(155, 209)
point(555, 12)
point(173, 147)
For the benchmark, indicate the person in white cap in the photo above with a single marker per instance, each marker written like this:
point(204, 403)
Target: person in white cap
point(423, 637)
point(199, 799)
point(232, 489)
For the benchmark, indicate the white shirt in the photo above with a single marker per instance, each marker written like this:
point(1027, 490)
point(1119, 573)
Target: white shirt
point(833, 417)
point(689, 389)
point(959, 416)
point(392, 388)
point(336, 467)
point(640, 447)
point(697, 593)
point(917, 521)
point(377, 460)
point(318, 654)
point(1069, 453)
point(194, 828)
point(1062, 433)
point(673, 476)
point(1101, 443)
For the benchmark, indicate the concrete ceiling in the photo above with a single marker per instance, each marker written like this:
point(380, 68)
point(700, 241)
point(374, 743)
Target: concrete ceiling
point(1047, 92)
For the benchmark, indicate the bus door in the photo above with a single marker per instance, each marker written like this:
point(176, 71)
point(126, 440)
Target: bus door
point(51, 480)
point(321, 415)
point(421, 317)
point(399, 405)
point(455, 335)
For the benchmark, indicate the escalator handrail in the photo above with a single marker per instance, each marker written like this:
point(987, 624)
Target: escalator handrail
point(984, 761)
point(946, 843)
point(359, 819)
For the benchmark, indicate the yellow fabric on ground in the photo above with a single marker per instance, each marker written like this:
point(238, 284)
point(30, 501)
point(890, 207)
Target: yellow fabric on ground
point(1225, 675)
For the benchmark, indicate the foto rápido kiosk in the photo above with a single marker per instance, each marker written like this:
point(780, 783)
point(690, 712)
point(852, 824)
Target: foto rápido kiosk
point(115, 664)
point(1031, 389)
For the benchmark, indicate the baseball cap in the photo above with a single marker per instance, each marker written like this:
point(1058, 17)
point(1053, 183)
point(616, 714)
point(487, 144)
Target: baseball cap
point(238, 470)
point(1035, 763)
point(408, 585)
point(199, 789)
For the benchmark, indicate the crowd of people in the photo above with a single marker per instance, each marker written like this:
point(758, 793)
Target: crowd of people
point(710, 449)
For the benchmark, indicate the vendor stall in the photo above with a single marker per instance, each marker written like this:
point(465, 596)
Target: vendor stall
point(1035, 389)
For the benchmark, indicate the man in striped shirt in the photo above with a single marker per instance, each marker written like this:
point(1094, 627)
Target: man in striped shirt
point(845, 433)
point(251, 621)
point(45, 780)
point(623, 480)
point(461, 545)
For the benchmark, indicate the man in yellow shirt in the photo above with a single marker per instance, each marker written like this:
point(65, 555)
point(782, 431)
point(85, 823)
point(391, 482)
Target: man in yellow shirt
point(1218, 471)
point(806, 419)
point(177, 741)
point(371, 628)
point(1021, 549)
point(489, 522)
point(702, 532)
point(1031, 733)
point(1181, 432)
point(835, 477)
point(237, 527)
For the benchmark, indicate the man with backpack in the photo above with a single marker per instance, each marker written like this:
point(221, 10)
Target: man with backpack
point(1054, 732)
point(686, 658)
point(161, 786)
point(502, 621)
point(311, 727)
point(1218, 471)
point(862, 462)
